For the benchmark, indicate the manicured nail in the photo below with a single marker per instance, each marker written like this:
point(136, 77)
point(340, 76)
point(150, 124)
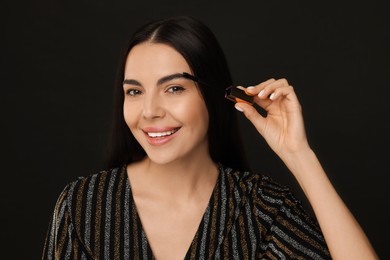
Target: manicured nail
point(239, 108)
point(261, 93)
point(272, 96)
point(249, 90)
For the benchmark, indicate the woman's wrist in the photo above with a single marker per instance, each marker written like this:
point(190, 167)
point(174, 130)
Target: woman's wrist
point(302, 163)
point(302, 153)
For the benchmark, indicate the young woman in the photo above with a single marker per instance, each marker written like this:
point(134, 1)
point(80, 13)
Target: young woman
point(178, 186)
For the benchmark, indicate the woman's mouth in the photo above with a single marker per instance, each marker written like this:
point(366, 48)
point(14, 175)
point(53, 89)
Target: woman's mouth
point(160, 136)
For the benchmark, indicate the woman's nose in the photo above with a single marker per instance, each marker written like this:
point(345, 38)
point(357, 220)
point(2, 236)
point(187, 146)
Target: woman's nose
point(153, 107)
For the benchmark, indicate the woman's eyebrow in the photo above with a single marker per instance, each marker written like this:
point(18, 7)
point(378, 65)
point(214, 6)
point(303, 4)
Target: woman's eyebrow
point(132, 82)
point(159, 82)
point(170, 77)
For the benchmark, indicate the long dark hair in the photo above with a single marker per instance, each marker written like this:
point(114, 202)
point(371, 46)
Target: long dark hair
point(199, 47)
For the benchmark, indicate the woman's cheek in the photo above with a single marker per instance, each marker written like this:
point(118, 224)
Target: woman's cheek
point(130, 116)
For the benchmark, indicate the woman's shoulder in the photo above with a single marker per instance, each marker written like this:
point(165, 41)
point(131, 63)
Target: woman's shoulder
point(92, 187)
point(275, 205)
point(85, 206)
point(256, 182)
point(263, 191)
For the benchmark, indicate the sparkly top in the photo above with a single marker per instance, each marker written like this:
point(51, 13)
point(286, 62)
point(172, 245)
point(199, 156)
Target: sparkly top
point(249, 216)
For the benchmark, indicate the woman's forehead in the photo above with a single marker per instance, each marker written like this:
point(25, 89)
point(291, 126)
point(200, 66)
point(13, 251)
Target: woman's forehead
point(154, 59)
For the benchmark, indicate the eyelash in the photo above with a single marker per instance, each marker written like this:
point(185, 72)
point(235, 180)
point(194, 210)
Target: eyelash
point(175, 89)
point(171, 90)
point(129, 91)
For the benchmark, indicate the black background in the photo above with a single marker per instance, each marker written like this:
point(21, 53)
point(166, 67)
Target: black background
point(57, 72)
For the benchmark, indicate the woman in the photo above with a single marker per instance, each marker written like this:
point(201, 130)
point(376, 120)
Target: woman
point(178, 186)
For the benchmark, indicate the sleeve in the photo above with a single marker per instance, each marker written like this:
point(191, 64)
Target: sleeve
point(60, 242)
point(291, 233)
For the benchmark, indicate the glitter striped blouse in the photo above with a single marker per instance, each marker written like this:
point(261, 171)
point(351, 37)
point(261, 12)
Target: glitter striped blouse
point(248, 216)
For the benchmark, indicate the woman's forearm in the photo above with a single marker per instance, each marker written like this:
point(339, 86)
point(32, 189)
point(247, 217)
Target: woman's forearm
point(343, 234)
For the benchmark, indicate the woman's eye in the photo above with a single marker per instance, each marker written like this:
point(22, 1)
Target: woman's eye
point(133, 92)
point(175, 89)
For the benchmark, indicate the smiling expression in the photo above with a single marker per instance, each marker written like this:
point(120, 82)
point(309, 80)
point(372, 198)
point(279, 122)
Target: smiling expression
point(164, 111)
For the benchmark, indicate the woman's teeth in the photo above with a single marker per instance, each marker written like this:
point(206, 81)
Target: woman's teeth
point(161, 134)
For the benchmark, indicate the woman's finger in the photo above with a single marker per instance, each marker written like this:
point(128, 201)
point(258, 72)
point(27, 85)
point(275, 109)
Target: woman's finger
point(265, 92)
point(268, 90)
point(273, 91)
point(288, 94)
point(251, 113)
point(254, 90)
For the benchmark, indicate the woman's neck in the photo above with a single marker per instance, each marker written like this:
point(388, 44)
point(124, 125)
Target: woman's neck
point(179, 180)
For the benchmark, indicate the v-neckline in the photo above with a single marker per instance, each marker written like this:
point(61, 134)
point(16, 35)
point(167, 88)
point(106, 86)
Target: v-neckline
point(203, 219)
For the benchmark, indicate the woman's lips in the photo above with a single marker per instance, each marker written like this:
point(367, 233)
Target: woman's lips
point(160, 135)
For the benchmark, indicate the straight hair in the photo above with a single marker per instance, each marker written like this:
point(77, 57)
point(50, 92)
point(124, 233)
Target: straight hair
point(200, 48)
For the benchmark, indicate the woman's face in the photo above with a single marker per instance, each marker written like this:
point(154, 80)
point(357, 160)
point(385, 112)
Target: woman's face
point(164, 111)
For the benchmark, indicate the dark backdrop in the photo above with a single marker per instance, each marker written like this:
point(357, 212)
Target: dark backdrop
point(57, 71)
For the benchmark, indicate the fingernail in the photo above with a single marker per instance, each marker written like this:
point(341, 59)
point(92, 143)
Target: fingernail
point(249, 90)
point(272, 96)
point(239, 108)
point(261, 93)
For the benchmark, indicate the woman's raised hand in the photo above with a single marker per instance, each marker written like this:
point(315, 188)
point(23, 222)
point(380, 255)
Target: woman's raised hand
point(283, 127)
